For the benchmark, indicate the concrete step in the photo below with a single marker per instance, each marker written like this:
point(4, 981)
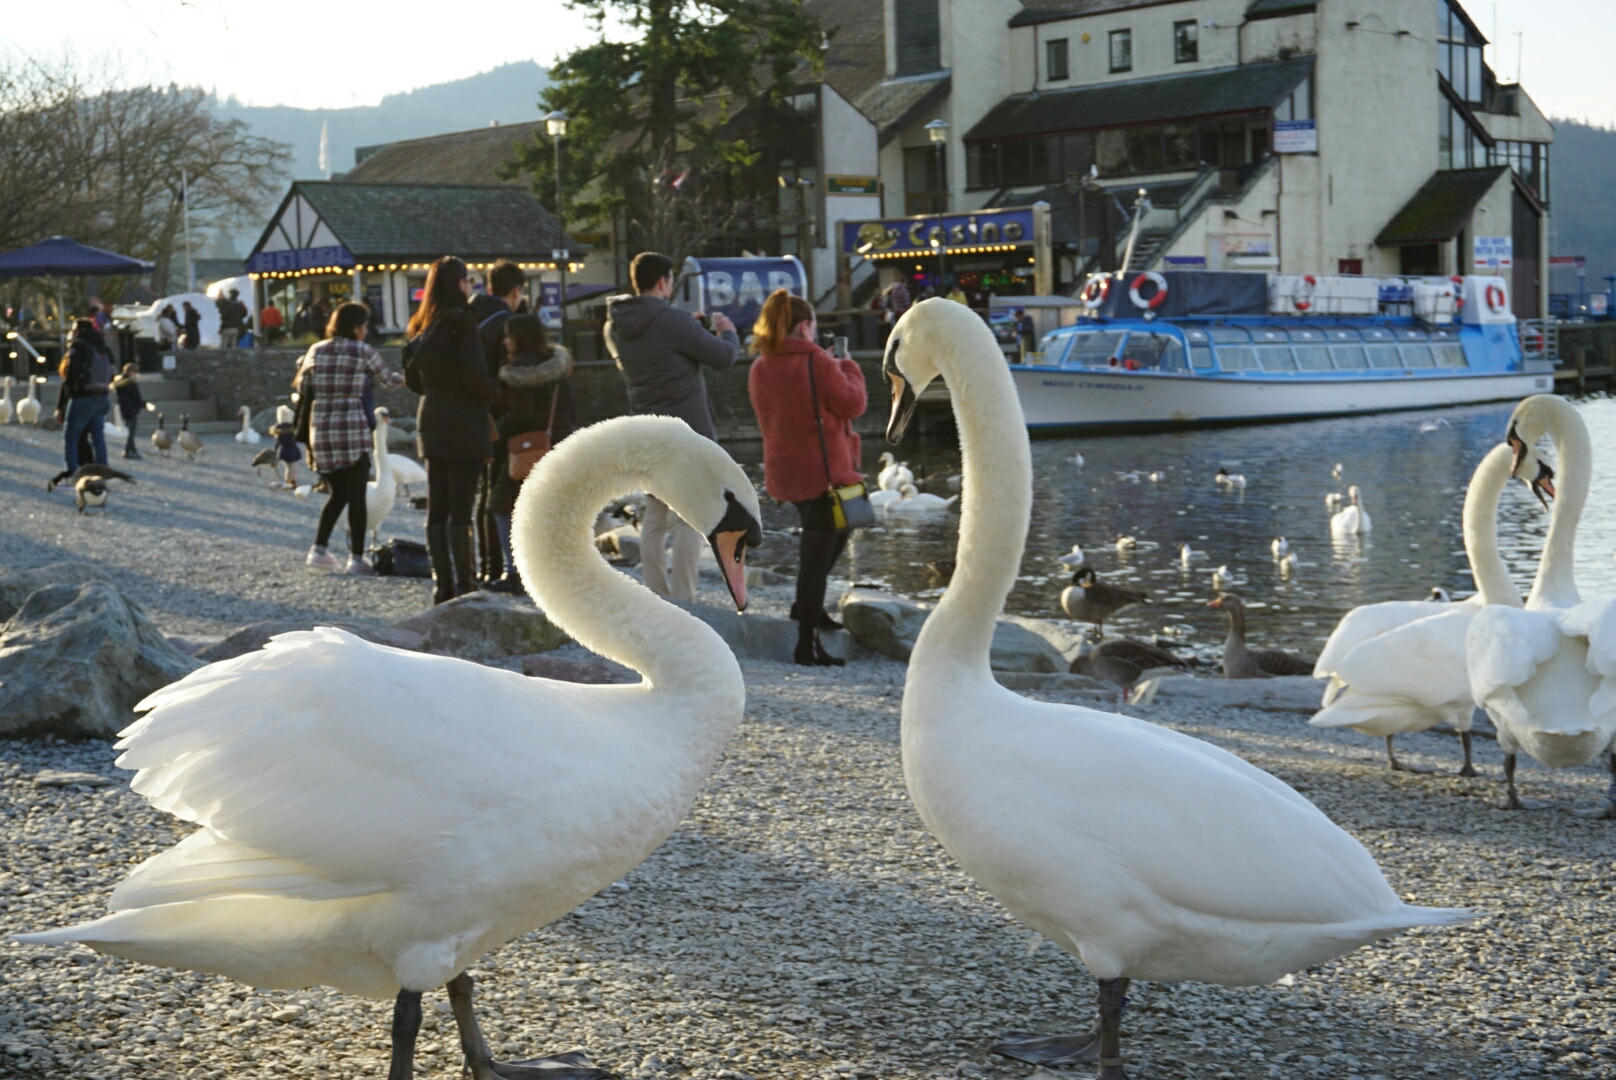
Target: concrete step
point(200, 412)
point(215, 427)
point(162, 391)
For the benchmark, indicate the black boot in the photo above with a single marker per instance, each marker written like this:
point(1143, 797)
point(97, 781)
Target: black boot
point(463, 546)
point(809, 652)
point(437, 552)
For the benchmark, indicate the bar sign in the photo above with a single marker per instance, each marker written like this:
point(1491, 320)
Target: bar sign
point(852, 185)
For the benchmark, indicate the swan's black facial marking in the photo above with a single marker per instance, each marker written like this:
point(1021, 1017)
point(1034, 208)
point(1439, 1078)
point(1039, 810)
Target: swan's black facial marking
point(1517, 446)
point(737, 530)
point(903, 395)
point(1543, 484)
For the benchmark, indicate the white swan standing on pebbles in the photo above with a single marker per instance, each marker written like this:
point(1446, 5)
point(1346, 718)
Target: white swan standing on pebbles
point(1547, 675)
point(1145, 853)
point(1400, 666)
point(381, 492)
point(379, 828)
point(28, 409)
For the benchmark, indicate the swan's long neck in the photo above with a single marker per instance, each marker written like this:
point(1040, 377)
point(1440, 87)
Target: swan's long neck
point(378, 442)
point(1556, 583)
point(1481, 529)
point(995, 512)
point(554, 544)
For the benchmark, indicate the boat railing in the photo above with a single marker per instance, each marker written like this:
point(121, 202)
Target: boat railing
point(1540, 339)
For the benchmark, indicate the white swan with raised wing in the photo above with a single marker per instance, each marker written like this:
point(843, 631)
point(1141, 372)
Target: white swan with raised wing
point(1145, 853)
point(376, 820)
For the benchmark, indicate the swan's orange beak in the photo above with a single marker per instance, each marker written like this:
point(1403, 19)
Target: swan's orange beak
point(1543, 484)
point(730, 550)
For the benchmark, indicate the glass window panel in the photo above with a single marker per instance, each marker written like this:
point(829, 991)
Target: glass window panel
point(1442, 66)
point(1444, 136)
point(1283, 110)
point(1276, 358)
point(1179, 146)
point(1229, 334)
point(1197, 336)
point(1122, 50)
point(1307, 335)
point(1077, 154)
point(1313, 357)
point(1383, 356)
point(1343, 335)
point(1040, 168)
point(1145, 149)
point(1111, 150)
point(1302, 99)
point(1473, 81)
point(1186, 46)
point(1418, 356)
point(1233, 154)
point(1238, 358)
point(1412, 333)
point(1349, 357)
point(1095, 348)
point(1055, 57)
point(1442, 17)
point(1015, 166)
point(1200, 356)
point(1450, 355)
point(982, 165)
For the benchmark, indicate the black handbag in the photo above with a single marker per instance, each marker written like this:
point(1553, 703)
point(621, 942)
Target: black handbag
point(850, 505)
point(401, 558)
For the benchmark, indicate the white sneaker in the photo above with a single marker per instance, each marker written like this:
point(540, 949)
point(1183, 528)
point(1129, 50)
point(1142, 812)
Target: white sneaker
point(358, 564)
point(321, 559)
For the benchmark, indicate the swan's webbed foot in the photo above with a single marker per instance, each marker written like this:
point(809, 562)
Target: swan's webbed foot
point(480, 1063)
point(1605, 811)
point(1050, 1051)
point(1398, 766)
point(1469, 767)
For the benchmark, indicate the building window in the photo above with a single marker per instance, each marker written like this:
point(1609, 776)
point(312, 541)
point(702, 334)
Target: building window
point(1458, 53)
point(919, 36)
point(1055, 60)
point(1299, 105)
point(1186, 44)
point(1530, 162)
point(925, 183)
point(1459, 145)
point(1121, 50)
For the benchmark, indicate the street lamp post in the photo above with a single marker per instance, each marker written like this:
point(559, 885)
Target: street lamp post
point(937, 132)
point(556, 124)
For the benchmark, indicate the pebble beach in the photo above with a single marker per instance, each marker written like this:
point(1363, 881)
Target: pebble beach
point(801, 923)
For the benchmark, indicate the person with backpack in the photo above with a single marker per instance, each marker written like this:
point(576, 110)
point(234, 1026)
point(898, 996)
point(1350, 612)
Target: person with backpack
point(491, 310)
point(130, 403)
point(82, 404)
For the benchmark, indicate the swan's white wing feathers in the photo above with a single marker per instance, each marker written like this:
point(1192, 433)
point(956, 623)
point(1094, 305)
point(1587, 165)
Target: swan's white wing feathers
point(338, 755)
point(205, 865)
point(1362, 623)
point(1504, 647)
point(1423, 660)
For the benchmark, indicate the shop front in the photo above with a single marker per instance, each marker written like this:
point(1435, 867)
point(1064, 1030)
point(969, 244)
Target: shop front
point(1005, 252)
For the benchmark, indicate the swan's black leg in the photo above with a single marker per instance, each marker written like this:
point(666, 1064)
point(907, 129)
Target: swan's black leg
point(480, 1063)
point(1513, 800)
point(1606, 810)
point(1396, 765)
point(1468, 768)
point(406, 1025)
point(1113, 999)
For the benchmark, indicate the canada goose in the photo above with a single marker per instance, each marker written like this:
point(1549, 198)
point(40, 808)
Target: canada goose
point(1088, 599)
point(93, 471)
point(90, 491)
point(188, 439)
point(162, 439)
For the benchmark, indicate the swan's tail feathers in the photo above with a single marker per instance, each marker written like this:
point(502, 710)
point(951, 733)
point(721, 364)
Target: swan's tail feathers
point(206, 866)
point(1407, 917)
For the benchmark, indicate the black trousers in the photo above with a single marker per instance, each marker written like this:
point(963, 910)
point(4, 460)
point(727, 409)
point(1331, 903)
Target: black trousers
point(451, 491)
point(822, 544)
point(347, 493)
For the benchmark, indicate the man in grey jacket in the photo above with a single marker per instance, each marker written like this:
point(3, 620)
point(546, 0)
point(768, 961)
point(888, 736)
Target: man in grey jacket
point(661, 350)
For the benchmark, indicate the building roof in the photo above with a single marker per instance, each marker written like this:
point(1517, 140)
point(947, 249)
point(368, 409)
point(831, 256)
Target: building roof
point(1042, 11)
point(1143, 101)
point(1441, 207)
point(894, 104)
point(460, 157)
point(1272, 9)
point(425, 221)
point(857, 57)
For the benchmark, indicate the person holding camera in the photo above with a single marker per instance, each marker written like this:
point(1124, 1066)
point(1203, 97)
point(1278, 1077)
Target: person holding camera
point(806, 401)
point(661, 351)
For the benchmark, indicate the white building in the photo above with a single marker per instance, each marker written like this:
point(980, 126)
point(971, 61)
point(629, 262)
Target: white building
point(1305, 136)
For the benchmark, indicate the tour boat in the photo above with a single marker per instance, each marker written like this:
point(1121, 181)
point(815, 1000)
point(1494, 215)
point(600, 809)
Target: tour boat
point(1190, 348)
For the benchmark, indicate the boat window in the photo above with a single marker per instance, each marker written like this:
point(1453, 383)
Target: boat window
point(1307, 335)
point(1378, 333)
point(1200, 356)
point(1418, 356)
point(1269, 337)
point(1230, 335)
point(1196, 335)
point(1055, 349)
point(1350, 357)
point(1094, 348)
point(1383, 356)
point(1154, 351)
point(1238, 358)
point(1313, 357)
point(1343, 335)
point(1412, 333)
point(1276, 358)
point(1450, 354)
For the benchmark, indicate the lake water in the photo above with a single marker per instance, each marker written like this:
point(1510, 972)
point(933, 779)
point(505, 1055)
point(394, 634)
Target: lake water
point(1413, 486)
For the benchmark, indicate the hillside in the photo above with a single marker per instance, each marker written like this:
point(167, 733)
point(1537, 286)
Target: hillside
point(506, 94)
point(1583, 210)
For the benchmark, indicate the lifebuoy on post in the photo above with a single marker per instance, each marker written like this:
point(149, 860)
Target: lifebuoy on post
point(1497, 301)
point(1302, 300)
point(1155, 301)
point(1095, 291)
point(1532, 342)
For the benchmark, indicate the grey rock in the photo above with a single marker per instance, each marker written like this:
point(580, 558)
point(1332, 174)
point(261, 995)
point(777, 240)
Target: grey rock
point(255, 636)
point(399, 439)
point(888, 625)
point(578, 671)
point(75, 659)
point(762, 637)
point(262, 420)
point(63, 778)
point(486, 626)
point(1286, 693)
point(190, 646)
point(15, 588)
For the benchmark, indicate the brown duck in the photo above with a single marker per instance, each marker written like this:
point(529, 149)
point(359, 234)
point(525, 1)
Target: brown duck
point(1090, 600)
point(1123, 660)
point(1240, 662)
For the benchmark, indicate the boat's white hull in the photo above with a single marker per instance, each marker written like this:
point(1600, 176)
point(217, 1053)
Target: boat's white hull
point(1055, 398)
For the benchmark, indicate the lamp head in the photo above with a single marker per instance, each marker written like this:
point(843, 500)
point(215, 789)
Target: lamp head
point(937, 130)
point(555, 123)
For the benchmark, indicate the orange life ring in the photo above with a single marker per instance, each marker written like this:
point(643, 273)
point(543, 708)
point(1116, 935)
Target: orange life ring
point(1155, 301)
point(1532, 342)
point(1095, 291)
point(1497, 300)
point(1303, 302)
point(1458, 293)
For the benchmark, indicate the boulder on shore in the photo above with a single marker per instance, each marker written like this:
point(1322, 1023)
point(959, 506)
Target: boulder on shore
point(255, 636)
point(762, 637)
point(888, 625)
point(15, 588)
point(1284, 693)
point(485, 626)
point(75, 659)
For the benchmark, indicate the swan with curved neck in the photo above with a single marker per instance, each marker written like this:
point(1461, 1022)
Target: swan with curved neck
point(247, 436)
point(376, 820)
point(1145, 853)
point(1400, 666)
point(1547, 675)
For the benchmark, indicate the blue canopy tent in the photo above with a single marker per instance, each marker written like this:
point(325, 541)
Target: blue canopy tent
point(60, 256)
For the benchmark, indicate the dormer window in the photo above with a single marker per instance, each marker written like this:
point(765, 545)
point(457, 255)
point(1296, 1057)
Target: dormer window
point(1055, 60)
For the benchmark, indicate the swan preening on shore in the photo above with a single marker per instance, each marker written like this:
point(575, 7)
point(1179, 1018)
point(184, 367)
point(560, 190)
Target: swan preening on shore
point(380, 827)
point(1098, 830)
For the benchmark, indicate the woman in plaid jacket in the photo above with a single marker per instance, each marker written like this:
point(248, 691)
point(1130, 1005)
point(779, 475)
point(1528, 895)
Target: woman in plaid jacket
point(335, 371)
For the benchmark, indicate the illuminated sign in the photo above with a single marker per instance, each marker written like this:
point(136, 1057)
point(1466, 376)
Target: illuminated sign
point(986, 230)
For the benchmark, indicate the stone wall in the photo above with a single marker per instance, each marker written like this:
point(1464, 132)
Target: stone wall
point(261, 378)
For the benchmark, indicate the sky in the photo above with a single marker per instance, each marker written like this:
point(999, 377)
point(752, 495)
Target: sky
point(282, 53)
